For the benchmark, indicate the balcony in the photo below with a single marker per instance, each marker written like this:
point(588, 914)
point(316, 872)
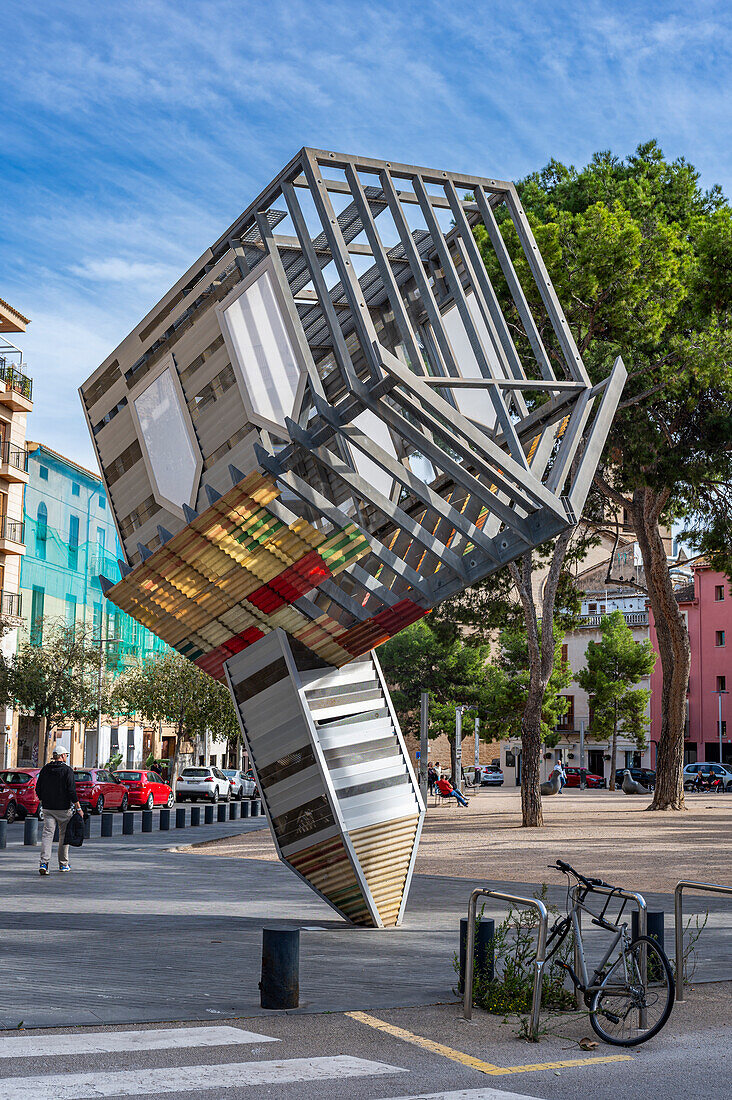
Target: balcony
point(18, 388)
point(14, 463)
point(12, 535)
point(632, 618)
point(10, 605)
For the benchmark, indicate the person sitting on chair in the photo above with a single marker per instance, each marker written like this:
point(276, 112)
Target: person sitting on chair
point(446, 789)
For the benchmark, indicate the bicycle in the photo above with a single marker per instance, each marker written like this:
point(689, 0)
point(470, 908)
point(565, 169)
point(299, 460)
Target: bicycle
point(629, 997)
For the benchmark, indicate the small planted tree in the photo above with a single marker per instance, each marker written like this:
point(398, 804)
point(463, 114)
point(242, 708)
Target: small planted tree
point(615, 664)
point(170, 688)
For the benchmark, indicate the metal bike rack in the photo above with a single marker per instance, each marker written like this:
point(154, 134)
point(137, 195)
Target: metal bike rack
point(640, 902)
point(702, 887)
point(512, 899)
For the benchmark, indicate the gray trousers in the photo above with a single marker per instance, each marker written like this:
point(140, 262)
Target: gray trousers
point(52, 818)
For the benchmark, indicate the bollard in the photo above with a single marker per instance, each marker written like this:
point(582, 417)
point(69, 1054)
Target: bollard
point(107, 824)
point(208, 815)
point(484, 959)
point(221, 811)
point(164, 819)
point(147, 821)
point(30, 830)
point(233, 811)
point(256, 807)
point(280, 984)
point(195, 815)
point(654, 927)
point(87, 828)
point(3, 833)
point(128, 823)
point(180, 817)
point(246, 808)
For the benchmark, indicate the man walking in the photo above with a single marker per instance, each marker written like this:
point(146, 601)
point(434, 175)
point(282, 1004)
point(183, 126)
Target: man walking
point(56, 790)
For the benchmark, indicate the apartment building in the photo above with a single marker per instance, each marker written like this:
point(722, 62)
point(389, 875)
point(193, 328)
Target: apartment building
point(16, 401)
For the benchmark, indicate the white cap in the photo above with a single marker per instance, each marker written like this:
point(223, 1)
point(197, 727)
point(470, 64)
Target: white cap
point(60, 748)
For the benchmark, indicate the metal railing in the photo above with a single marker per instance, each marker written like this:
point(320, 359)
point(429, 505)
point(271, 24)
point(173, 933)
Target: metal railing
point(12, 529)
point(632, 618)
point(10, 604)
point(512, 899)
point(16, 380)
point(13, 455)
point(702, 887)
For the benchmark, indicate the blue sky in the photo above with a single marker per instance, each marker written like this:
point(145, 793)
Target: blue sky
point(132, 134)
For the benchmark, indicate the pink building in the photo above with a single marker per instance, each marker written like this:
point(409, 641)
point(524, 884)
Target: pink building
point(707, 606)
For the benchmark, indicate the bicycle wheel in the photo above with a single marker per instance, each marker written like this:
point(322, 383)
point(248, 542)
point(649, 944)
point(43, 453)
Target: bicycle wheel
point(616, 1006)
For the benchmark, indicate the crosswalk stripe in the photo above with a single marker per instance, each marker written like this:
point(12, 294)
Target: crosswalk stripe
point(153, 1082)
point(115, 1042)
point(468, 1094)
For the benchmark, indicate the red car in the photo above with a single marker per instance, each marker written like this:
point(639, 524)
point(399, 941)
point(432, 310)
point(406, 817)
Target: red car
point(591, 780)
point(145, 789)
point(97, 790)
point(18, 794)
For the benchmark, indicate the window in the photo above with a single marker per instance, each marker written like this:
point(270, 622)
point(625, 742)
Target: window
point(718, 592)
point(73, 542)
point(41, 531)
point(592, 608)
point(36, 623)
point(724, 728)
point(71, 611)
point(43, 473)
point(75, 489)
point(566, 720)
point(721, 683)
point(101, 538)
point(564, 655)
point(97, 622)
point(719, 638)
point(102, 502)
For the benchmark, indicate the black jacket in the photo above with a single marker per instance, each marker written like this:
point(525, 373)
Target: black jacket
point(56, 787)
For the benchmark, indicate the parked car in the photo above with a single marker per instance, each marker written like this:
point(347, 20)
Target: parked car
point(18, 796)
point(574, 778)
point(207, 783)
point(145, 789)
point(646, 776)
point(241, 785)
point(99, 790)
point(492, 776)
point(718, 771)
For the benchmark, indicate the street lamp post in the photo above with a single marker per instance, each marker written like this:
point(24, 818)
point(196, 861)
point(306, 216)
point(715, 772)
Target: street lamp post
point(719, 693)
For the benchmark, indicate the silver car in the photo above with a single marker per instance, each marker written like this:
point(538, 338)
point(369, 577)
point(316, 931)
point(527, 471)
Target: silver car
point(241, 785)
point(208, 784)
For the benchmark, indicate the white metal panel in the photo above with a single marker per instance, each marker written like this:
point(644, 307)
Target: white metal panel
point(166, 435)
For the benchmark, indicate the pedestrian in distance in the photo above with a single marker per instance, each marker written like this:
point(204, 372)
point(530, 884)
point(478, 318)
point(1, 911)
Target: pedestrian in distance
point(56, 789)
point(431, 779)
point(438, 770)
point(446, 789)
point(559, 769)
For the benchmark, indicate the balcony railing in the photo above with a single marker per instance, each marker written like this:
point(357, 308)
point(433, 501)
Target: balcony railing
point(632, 618)
point(10, 604)
point(12, 529)
point(12, 455)
point(16, 379)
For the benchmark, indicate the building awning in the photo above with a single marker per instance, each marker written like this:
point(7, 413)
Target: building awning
point(10, 319)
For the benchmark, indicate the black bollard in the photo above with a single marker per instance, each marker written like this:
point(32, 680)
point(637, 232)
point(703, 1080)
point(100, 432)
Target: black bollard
point(180, 817)
point(30, 830)
point(233, 811)
point(128, 823)
point(256, 807)
point(280, 984)
point(208, 815)
point(655, 931)
point(3, 833)
point(164, 819)
point(195, 815)
point(221, 812)
point(246, 807)
point(483, 959)
point(87, 828)
point(147, 821)
point(107, 824)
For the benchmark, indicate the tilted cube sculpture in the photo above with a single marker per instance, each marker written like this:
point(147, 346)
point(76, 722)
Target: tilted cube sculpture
point(336, 419)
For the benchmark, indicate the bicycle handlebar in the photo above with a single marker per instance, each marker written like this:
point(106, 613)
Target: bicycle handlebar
point(568, 869)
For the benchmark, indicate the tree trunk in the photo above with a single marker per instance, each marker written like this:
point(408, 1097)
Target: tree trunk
point(614, 752)
point(531, 811)
point(673, 647)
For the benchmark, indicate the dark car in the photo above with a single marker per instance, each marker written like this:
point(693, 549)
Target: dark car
point(18, 796)
point(646, 776)
point(574, 778)
point(97, 790)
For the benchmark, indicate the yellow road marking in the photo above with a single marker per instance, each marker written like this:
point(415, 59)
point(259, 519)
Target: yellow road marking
point(467, 1059)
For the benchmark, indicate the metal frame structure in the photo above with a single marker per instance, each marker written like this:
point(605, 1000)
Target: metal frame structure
point(702, 887)
point(391, 360)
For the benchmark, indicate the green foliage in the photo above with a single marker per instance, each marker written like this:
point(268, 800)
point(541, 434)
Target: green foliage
point(509, 683)
point(169, 688)
point(58, 682)
point(114, 762)
point(614, 665)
